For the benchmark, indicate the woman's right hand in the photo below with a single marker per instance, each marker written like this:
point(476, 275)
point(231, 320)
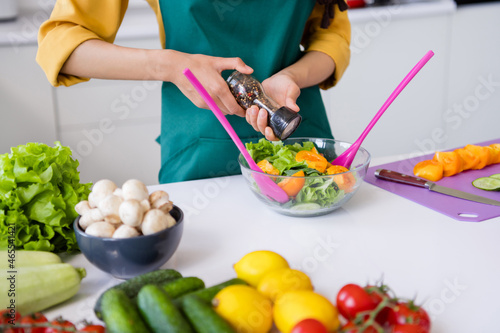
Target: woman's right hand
point(207, 70)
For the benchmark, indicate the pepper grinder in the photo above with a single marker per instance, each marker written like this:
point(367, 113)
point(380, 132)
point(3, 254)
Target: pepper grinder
point(248, 91)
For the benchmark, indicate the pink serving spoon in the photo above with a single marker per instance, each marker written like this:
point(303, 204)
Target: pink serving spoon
point(345, 159)
point(266, 184)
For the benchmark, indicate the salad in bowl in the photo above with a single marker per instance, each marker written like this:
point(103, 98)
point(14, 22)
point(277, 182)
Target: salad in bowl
point(302, 168)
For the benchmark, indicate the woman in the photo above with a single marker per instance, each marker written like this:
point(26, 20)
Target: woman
point(255, 37)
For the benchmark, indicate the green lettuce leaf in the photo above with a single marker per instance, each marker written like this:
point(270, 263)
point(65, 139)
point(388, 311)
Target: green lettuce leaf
point(39, 188)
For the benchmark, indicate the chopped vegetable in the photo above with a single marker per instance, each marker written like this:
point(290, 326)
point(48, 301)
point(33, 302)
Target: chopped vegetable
point(292, 186)
point(39, 188)
point(491, 183)
point(451, 162)
point(482, 152)
point(313, 160)
point(429, 169)
point(267, 167)
point(469, 160)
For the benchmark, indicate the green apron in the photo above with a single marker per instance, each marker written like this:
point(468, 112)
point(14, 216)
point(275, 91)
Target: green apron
point(266, 36)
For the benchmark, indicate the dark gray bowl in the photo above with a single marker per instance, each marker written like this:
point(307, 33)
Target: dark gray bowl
point(129, 257)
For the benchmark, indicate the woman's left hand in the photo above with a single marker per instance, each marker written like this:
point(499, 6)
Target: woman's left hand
point(284, 90)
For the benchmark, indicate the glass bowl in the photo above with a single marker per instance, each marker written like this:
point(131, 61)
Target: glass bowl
point(321, 194)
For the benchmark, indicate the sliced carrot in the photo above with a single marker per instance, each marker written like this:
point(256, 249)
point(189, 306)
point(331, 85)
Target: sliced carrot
point(313, 160)
point(267, 167)
point(451, 161)
point(469, 160)
point(429, 169)
point(336, 169)
point(482, 153)
point(292, 186)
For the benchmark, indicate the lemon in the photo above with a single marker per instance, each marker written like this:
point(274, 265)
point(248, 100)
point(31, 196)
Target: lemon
point(278, 281)
point(254, 265)
point(244, 308)
point(294, 306)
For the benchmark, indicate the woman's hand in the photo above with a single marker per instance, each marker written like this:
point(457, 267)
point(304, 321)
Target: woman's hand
point(208, 71)
point(283, 89)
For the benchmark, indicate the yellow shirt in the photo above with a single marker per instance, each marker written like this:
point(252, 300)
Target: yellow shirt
point(73, 22)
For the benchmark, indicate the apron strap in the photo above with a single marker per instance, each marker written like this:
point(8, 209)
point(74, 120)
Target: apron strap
point(329, 10)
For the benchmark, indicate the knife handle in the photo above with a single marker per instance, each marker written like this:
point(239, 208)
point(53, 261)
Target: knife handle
point(401, 178)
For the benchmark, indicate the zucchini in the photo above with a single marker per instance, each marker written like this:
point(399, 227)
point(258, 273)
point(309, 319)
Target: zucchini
point(161, 315)
point(131, 287)
point(209, 293)
point(22, 258)
point(37, 288)
point(121, 314)
point(203, 317)
point(183, 286)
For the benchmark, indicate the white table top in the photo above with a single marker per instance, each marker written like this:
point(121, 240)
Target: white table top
point(450, 266)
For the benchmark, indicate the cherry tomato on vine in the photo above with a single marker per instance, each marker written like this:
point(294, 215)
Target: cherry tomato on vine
point(353, 299)
point(94, 329)
point(350, 327)
point(59, 326)
point(35, 318)
point(309, 326)
point(6, 316)
point(409, 313)
point(408, 328)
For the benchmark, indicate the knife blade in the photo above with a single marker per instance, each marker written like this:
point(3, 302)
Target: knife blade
point(424, 183)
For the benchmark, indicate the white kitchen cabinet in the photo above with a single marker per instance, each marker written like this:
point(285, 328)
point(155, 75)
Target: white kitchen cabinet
point(386, 44)
point(473, 96)
point(26, 109)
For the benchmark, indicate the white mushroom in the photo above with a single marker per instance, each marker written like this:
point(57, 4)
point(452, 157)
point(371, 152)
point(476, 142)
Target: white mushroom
point(145, 205)
point(100, 190)
point(160, 200)
point(86, 220)
point(109, 207)
point(95, 214)
point(156, 220)
point(134, 189)
point(118, 192)
point(82, 207)
point(125, 231)
point(100, 229)
point(131, 212)
point(92, 201)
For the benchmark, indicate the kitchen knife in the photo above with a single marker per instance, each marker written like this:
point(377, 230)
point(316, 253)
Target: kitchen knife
point(420, 182)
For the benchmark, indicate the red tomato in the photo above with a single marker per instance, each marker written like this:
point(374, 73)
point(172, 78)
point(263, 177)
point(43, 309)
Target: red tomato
point(408, 328)
point(309, 326)
point(350, 327)
point(353, 299)
point(409, 313)
point(59, 325)
point(35, 318)
point(94, 329)
point(7, 318)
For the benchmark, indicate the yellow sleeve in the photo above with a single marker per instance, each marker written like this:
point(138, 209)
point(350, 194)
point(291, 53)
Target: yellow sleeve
point(71, 23)
point(334, 41)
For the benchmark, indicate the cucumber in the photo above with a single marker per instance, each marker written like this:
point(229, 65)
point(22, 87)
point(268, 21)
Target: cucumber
point(497, 176)
point(209, 293)
point(23, 258)
point(182, 286)
point(120, 314)
point(487, 183)
point(131, 287)
point(306, 206)
point(203, 317)
point(159, 312)
point(36, 288)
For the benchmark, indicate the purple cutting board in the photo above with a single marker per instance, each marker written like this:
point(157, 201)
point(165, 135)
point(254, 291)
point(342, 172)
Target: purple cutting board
point(458, 209)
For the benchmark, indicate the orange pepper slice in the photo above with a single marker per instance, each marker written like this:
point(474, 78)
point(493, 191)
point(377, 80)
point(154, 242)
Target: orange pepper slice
point(292, 186)
point(313, 160)
point(267, 167)
point(495, 151)
point(451, 161)
point(345, 181)
point(429, 169)
point(469, 160)
point(482, 153)
point(336, 169)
